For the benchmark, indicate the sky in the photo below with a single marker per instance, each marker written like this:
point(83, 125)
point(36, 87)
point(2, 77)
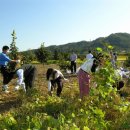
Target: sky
point(57, 22)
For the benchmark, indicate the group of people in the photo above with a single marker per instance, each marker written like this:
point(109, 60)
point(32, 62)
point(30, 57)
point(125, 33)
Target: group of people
point(73, 58)
point(25, 73)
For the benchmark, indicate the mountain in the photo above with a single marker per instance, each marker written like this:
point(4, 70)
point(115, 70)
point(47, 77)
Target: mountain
point(120, 42)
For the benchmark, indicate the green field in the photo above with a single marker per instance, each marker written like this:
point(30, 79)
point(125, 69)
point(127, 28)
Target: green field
point(121, 57)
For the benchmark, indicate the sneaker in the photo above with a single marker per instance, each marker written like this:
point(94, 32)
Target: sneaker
point(4, 87)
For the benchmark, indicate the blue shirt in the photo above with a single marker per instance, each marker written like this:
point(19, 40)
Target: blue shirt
point(4, 59)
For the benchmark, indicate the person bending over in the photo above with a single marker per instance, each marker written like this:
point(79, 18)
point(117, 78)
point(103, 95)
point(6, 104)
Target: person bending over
point(55, 77)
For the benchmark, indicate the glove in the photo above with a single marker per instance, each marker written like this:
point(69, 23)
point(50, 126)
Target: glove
point(17, 61)
point(66, 80)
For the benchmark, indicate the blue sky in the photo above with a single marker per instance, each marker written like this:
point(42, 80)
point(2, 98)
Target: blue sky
point(57, 22)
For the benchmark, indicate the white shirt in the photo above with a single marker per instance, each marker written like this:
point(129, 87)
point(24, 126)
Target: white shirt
point(57, 74)
point(87, 65)
point(121, 73)
point(73, 57)
point(89, 56)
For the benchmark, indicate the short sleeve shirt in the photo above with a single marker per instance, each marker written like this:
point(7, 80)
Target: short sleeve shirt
point(4, 59)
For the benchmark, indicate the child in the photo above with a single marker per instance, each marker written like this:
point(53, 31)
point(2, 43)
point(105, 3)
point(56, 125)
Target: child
point(55, 77)
point(4, 60)
point(84, 74)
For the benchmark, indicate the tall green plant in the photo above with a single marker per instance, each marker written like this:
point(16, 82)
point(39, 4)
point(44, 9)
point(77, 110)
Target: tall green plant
point(13, 47)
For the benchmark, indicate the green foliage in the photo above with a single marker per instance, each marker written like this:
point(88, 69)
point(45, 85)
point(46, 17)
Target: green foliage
point(52, 62)
point(64, 65)
point(28, 57)
point(119, 42)
point(42, 54)
point(56, 55)
point(103, 109)
point(13, 48)
point(127, 62)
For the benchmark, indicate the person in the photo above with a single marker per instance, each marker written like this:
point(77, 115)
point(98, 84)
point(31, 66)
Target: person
point(89, 55)
point(113, 59)
point(54, 77)
point(29, 73)
point(86, 69)
point(73, 59)
point(119, 75)
point(26, 76)
point(4, 60)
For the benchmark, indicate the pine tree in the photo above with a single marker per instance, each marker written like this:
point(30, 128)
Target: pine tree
point(42, 54)
point(13, 48)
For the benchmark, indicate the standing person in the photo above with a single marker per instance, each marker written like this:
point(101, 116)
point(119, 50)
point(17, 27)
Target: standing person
point(89, 55)
point(4, 60)
point(86, 69)
point(113, 59)
point(55, 77)
point(73, 59)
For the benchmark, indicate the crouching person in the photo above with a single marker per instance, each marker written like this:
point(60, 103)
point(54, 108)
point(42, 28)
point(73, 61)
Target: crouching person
point(29, 75)
point(54, 78)
point(120, 74)
point(20, 81)
point(26, 76)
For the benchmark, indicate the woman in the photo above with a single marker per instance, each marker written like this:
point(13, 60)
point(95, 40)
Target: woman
point(55, 77)
point(86, 69)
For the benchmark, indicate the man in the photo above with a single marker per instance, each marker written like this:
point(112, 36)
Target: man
point(73, 59)
point(4, 60)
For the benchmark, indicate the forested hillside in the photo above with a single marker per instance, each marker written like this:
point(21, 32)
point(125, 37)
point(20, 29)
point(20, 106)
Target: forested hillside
point(120, 41)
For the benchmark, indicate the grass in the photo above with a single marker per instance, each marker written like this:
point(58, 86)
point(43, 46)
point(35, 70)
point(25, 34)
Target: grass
point(121, 58)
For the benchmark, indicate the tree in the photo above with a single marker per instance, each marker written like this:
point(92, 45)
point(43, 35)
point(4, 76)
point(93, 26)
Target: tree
point(56, 55)
point(28, 57)
point(13, 48)
point(42, 54)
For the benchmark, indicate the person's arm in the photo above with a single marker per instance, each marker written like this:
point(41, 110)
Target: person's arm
point(61, 75)
point(6, 58)
point(17, 61)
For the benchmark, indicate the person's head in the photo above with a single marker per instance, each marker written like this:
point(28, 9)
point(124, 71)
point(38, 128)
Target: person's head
point(5, 49)
point(114, 53)
point(97, 62)
point(89, 51)
point(49, 72)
